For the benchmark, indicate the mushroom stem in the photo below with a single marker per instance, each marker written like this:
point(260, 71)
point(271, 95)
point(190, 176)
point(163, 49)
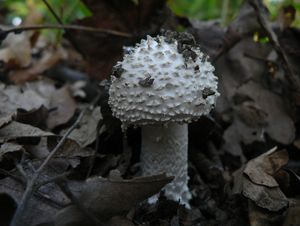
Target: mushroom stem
point(165, 150)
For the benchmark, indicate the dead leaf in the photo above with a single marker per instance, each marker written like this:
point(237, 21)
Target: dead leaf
point(116, 196)
point(87, 131)
point(28, 96)
point(256, 182)
point(9, 147)
point(260, 112)
point(48, 60)
point(262, 169)
point(34, 117)
point(18, 49)
point(69, 149)
point(261, 217)
point(272, 199)
point(39, 210)
point(293, 217)
point(64, 107)
point(5, 120)
point(106, 198)
point(280, 126)
point(15, 130)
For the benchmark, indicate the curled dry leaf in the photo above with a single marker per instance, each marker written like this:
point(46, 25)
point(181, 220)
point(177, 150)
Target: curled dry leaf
point(262, 169)
point(256, 180)
point(106, 198)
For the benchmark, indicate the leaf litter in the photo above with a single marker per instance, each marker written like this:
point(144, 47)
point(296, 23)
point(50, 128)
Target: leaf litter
point(93, 178)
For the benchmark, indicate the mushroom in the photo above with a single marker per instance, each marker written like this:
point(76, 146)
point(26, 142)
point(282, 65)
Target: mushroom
point(164, 83)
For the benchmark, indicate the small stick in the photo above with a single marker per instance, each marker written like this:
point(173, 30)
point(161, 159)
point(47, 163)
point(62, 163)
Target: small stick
point(66, 27)
point(68, 34)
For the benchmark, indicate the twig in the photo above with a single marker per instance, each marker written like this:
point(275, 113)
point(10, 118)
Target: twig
point(31, 184)
point(65, 27)
point(293, 80)
point(53, 12)
point(68, 35)
point(39, 195)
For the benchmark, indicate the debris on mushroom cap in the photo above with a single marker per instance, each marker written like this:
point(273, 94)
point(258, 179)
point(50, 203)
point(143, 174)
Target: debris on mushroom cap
point(163, 79)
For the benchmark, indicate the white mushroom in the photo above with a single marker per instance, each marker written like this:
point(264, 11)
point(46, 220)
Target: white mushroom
point(161, 85)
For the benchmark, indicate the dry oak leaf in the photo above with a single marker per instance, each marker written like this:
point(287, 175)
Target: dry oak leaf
point(255, 180)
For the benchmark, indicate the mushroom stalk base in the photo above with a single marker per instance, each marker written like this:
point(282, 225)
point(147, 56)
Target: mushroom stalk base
point(165, 150)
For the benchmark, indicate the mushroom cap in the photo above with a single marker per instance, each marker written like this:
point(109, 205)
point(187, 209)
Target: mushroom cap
point(160, 81)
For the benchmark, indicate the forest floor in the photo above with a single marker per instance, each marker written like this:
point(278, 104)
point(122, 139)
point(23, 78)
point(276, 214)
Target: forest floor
point(64, 159)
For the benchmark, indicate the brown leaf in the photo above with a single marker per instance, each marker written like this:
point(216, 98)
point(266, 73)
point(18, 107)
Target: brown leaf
point(272, 199)
point(261, 217)
point(28, 96)
point(70, 148)
point(280, 126)
point(34, 117)
point(256, 182)
point(15, 130)
point(39, 210)
point(18, 49)
point(293, 217)
point(106, 198)
point(262, 169)
point(87, 131)
point(259, 112)
point(64, 107)
point(48, 60)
